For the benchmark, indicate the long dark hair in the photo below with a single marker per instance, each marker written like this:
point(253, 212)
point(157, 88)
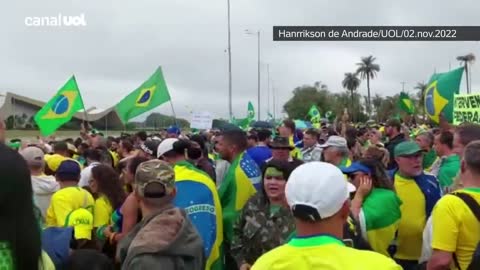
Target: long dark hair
point(379, 174)
point(19, 228)
point(109, 184)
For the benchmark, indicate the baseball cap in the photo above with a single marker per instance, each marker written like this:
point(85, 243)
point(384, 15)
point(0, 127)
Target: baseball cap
point(34, 156)
point(335, 141)
point(82, 222)
point(316, 190)
point(356, 167)
point(68, 169)
point(408, 148)
point(150, 147)
point(154, 172)
point(280, 143)
point(165, 146)
point(54, 161)
point(173, 130)
point(71, 148)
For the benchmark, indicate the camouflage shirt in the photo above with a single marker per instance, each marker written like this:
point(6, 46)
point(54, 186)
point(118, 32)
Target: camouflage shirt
point(259, 230)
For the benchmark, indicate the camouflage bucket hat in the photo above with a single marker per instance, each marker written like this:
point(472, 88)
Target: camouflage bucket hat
point(154, 171)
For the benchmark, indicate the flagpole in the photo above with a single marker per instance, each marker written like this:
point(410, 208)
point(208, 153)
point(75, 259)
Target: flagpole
point(174, 115)
point(83, 103)
point(258, 74)
point(268, 88)
point(273, 100)
point(230, 112)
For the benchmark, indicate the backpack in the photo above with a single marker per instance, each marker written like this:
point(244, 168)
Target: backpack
point(475, 208)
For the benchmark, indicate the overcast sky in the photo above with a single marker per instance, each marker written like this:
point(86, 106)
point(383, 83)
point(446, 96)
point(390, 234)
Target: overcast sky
point(124, 41)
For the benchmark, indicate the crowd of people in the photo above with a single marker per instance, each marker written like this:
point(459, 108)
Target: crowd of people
point(375, 196)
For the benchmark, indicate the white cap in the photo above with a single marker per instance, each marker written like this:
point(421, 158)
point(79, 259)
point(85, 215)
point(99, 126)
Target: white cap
point(335, 141)
point(317, 189)
point(165, 146)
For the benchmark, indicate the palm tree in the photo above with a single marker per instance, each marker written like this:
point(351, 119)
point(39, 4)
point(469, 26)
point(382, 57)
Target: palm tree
point(368, 70)
point(421, 87)
point(467, 59)
point(351, 82)
point(377, 101)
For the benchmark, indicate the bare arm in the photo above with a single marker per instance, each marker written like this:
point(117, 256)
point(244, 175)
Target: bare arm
point(440, 260)
point(130, 215)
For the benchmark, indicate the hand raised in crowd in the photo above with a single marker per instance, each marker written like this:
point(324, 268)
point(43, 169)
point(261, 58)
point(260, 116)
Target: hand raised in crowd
point(365, 186)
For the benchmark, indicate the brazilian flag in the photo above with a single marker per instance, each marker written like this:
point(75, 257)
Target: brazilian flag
point(241, 182)
point(152, 93)
point(314, 114)
point(60, 108)
point(406, 104)
point(330, 116)
point(244, 123)
point(251, 112)
point(440, 93)
point(197, 194)
point(379, 224)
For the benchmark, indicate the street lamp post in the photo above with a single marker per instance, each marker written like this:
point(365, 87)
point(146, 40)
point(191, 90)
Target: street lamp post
point(258, 70)
point(229, 65)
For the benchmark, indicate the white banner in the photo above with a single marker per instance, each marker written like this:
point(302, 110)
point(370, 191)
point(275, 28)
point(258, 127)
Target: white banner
point(201, 120)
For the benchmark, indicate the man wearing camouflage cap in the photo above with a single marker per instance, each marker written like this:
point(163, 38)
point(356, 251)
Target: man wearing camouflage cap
point(165, 236)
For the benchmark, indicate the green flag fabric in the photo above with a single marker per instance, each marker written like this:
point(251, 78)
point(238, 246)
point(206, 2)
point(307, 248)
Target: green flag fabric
point(439, 95)
point(380, 223)
point(152, 93)
point(60, 108)
point(314, 114)
point(330, 116)
point(244, 123)
point(251, 111)
point(406, 104)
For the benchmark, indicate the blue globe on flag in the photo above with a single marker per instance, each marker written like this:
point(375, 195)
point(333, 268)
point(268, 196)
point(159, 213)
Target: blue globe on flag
point(61, 105)
point(145, 97)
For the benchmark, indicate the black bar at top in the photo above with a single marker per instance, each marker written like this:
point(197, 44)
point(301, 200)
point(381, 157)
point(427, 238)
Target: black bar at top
point(376, 33)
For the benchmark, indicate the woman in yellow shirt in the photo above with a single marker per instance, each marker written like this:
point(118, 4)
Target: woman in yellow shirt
point(105, 183)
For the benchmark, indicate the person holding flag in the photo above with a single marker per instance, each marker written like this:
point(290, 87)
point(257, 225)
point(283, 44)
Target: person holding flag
point(197, 194)
point(241, 182)
point(374, 188)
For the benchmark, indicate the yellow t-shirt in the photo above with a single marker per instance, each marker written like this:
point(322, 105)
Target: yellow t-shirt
point(115, 158)
point(295, 153)
point(413, 220)
point(454, 227)
point(102, 212)
point(322, 252)
point(64, 201)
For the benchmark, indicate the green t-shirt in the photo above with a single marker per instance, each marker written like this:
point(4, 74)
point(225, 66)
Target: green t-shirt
point(428, 159)
point(449, 169)
point(6, 260)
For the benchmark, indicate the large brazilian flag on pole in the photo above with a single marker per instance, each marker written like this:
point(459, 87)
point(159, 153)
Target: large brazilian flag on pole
point(439, 95)
point(60, 108)
point(152, 93)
